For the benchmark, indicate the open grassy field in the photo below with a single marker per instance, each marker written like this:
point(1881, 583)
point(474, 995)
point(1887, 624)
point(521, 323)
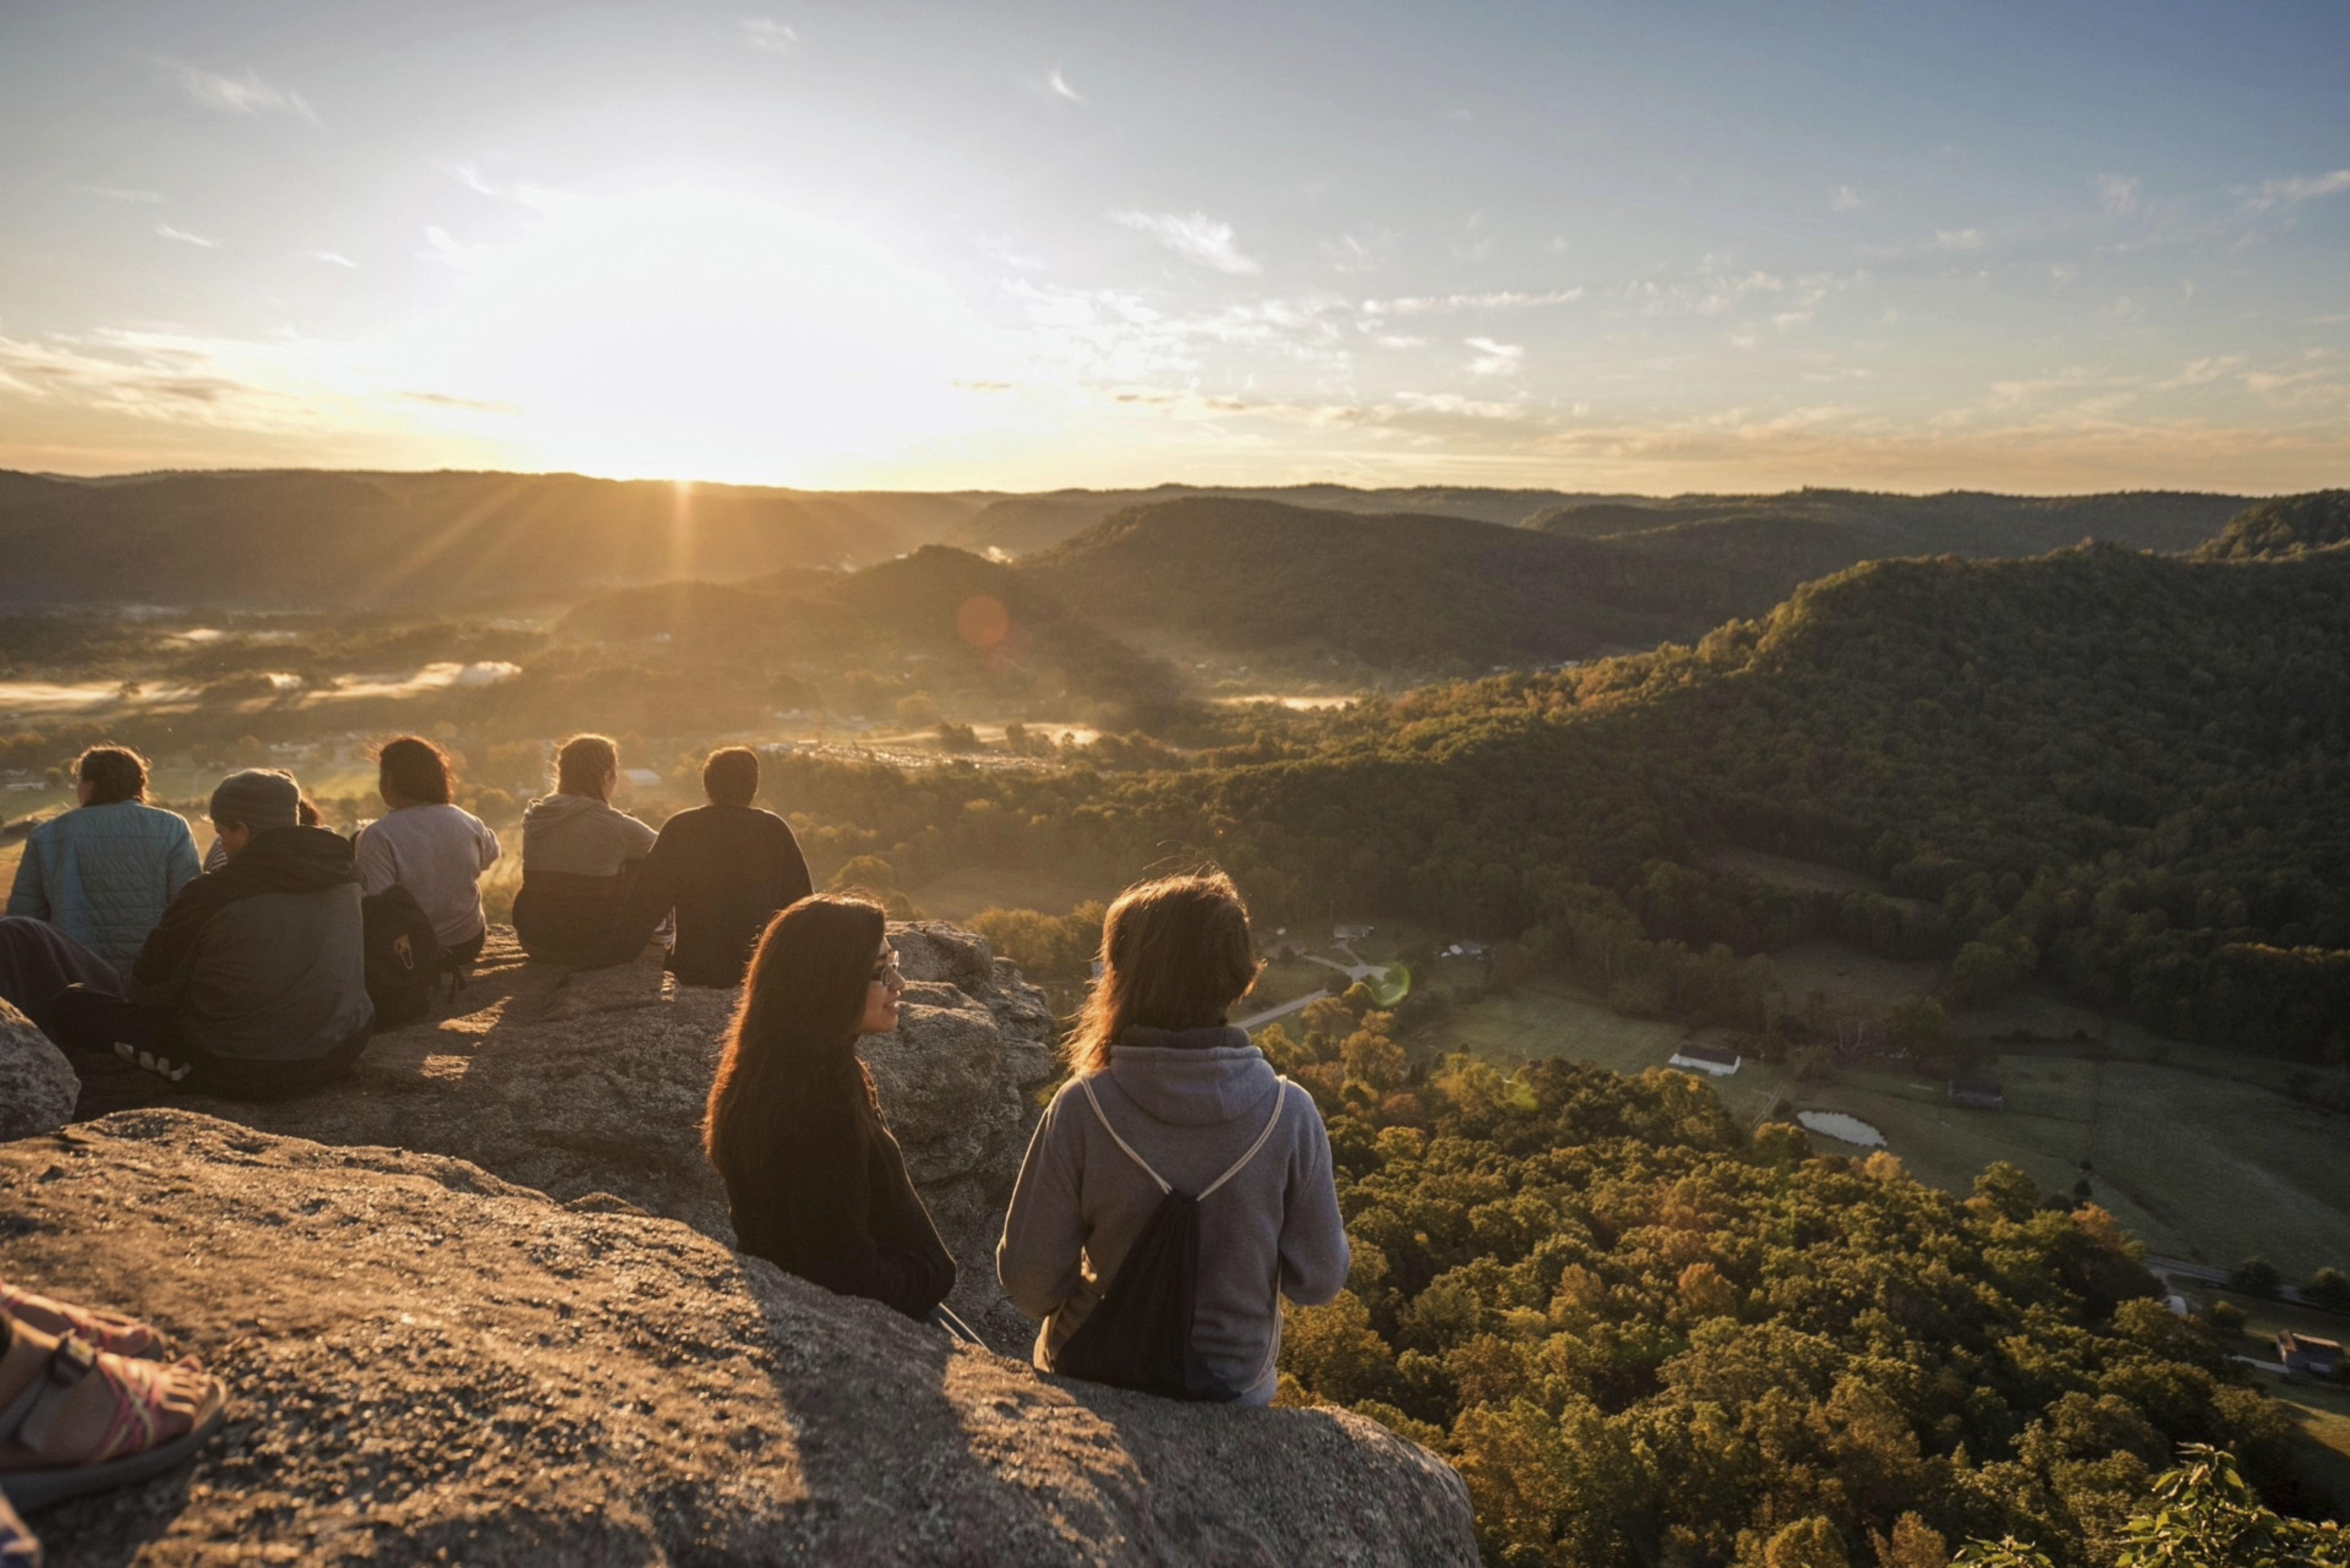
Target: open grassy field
point(1803, 875)
point(1851, 976)
point(1285, 982)
point(960, 895)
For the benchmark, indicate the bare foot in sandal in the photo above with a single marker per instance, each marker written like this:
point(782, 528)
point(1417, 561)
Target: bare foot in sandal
point(74, 1420)
point(100, 1330)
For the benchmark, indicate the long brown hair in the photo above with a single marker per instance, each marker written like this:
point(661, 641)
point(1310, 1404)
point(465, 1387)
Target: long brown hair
point(1175, 954)
point(801, 1004)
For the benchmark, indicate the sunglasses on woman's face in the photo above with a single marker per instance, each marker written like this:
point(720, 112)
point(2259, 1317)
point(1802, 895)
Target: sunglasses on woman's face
point(887, 972)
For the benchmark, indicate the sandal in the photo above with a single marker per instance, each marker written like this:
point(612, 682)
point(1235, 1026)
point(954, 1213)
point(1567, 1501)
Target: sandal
point(111, 1332)
point(130, 1449)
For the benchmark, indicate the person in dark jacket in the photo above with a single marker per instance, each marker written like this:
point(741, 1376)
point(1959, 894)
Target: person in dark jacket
point(723, 868)
point(254, 983)
point(580, 856)
point(816, 1184)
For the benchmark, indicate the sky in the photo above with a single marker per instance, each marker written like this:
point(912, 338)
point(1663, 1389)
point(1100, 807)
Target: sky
point(1656, 247)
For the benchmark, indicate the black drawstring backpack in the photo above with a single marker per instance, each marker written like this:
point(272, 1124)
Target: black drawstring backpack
point(1140, 1334)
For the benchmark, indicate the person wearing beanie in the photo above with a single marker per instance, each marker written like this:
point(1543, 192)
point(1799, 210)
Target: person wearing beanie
point(254, 982)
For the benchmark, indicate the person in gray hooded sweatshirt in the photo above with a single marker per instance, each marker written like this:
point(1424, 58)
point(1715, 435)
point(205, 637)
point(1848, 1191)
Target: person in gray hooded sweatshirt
point(580, 856)
point(1172, 1086)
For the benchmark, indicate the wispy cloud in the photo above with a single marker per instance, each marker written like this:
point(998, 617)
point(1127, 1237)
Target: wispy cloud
point(1060, 87)
point(1194, 236)
point(116, 193)
point(1500, 299)
point(2196, 372)
point(1960, 239)
point(768, 35)
point(247, 94)
point(185, 238)
point(1495, 359)
point(1359, 250)
point(333, 258)
point(2274, 193)
point(2118, 193)
point(1844, 199)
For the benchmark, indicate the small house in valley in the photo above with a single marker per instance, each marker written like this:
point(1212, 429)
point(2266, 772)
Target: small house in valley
point(1711, 1060)
point(2309, 1356)
point(1349, 933)
point(1978, 1094)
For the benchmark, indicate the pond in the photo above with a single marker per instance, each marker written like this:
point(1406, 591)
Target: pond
point(1842, 1127)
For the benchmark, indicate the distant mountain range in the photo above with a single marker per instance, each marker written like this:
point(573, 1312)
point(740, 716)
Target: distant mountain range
point(1412, 581)
point(312, 539)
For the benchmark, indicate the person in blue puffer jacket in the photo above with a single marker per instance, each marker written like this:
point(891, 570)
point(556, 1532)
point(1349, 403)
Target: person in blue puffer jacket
point(103, 872)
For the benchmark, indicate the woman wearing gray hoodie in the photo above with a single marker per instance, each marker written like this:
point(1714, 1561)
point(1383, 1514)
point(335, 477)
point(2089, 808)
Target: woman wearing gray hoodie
point(1165, 1094)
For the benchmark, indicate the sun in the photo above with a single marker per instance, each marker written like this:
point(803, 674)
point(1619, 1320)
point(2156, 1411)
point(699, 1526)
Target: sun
point(696, 333)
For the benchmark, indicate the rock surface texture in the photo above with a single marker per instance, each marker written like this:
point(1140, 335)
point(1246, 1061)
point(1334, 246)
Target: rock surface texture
point(592, 1083)
point(432, 1364)
point(38, 1086)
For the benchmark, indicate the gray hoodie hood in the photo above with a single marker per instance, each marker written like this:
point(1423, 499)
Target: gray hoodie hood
point(1193, 1077)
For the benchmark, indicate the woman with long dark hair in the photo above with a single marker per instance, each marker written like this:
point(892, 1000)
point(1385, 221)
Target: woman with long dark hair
point(817, 1184)
point(1164, 1096)
point(428, 844)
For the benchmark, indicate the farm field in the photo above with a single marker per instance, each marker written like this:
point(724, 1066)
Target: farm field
point(1850, 976)
point(1285, 982)
point(960, 895)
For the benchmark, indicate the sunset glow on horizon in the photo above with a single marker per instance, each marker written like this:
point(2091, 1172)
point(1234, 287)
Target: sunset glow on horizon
point(1591, 247)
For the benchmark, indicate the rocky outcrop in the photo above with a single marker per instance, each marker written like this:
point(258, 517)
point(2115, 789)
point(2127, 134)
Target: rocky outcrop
point(38, 1086)
point(432, 1364)
point(592, 1083)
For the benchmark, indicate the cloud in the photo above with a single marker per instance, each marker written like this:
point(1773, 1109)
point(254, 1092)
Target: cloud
point(185, 238)
point(2273, 193)
point(1495, 359)
point(2195, 372)
point(115, 193)
point(1959, 239)
point(1502, 299)
point(1359, 250)
point(768, 35)
point(2118, 193)
point(1194, 236)
point(247, 94)
point(1060, 86)
point(333, 258)
point(1844, 199)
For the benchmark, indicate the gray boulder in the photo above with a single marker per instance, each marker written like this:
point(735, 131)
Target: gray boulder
point(432, 1364)
point(37, 1085)
point(593, 1083)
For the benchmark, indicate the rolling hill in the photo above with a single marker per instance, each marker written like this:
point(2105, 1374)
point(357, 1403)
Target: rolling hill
point(1019, 524)
point(1397, 591)
point(311, 539)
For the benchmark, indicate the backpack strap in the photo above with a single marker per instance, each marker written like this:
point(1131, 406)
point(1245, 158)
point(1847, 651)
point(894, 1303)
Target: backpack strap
point(1279, 1096)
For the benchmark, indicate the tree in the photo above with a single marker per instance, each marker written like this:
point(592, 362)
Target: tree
point(1806, 1544)
point(2200, 1515)
point(2255, 1277)
point(2328, 1288)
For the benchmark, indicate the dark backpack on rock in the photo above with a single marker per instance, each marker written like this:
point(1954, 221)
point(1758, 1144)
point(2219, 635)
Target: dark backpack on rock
point(1139, 1335)
point(403, 956)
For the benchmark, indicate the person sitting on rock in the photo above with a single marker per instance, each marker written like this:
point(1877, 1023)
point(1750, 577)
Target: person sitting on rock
point(253, 984)
point(580, 856)
point(1165, 1095)
point(102, 872)
point(426, 844)
point(815, 1183)
point(89, 1400)
point(724, 870)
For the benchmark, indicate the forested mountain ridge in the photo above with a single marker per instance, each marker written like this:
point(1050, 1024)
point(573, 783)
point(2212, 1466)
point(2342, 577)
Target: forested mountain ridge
point(302, 538)
point(1393, 590)
point(2283, 525)
point(1017, 524)
point(1957, 522)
